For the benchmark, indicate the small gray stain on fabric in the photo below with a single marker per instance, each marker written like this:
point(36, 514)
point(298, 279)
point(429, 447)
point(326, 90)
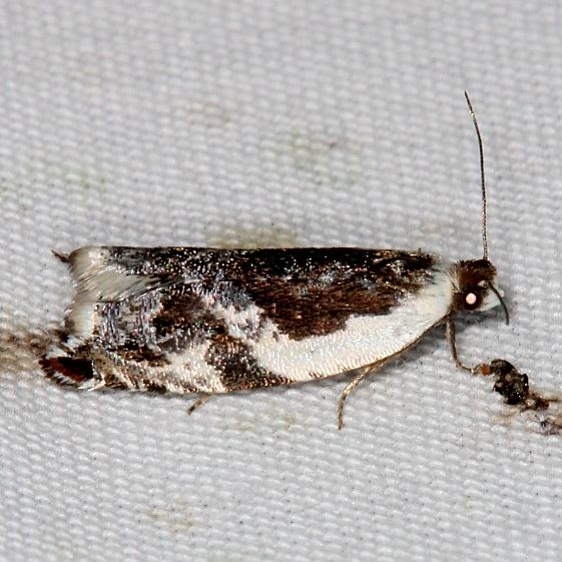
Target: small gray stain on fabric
point(326, 158)
point(50, 171)
point(267, 236)
point(20, 346)
point(175, 517)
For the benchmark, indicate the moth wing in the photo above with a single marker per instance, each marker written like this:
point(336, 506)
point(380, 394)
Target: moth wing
point(229, 320)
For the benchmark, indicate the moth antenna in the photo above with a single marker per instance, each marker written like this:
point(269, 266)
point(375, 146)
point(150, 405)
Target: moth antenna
point(502, 302)
point(482, 179)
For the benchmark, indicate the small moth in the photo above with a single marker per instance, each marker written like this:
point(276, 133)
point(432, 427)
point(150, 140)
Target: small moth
point(211, 321)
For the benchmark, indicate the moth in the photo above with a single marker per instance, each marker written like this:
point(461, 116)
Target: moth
point(211, 321)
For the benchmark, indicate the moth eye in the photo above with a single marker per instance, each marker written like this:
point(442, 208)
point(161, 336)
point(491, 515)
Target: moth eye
point(471, 299)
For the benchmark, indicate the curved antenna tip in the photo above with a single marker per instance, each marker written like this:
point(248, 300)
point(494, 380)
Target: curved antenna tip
point(502, 302)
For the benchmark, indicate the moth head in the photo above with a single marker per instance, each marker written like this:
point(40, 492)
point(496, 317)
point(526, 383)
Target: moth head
point(474, 288)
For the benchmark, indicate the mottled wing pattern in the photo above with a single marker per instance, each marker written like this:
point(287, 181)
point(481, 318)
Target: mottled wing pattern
point(211, 320)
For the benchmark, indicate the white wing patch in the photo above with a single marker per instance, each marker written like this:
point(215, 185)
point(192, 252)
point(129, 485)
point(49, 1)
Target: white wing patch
point(98, 281)
point(188, 369)
point(364, 340)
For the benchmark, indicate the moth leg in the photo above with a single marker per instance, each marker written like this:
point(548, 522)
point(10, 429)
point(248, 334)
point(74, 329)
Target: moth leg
point(364, 372)
point(451, 337)
point(197, 403)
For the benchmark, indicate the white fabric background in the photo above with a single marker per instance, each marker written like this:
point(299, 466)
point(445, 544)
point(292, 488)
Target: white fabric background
point(281, 123)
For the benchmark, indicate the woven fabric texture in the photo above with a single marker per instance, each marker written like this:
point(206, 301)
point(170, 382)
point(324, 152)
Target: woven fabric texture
point(266, 123)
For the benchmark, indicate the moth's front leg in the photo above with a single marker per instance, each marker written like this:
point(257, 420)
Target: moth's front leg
point(451, 338)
